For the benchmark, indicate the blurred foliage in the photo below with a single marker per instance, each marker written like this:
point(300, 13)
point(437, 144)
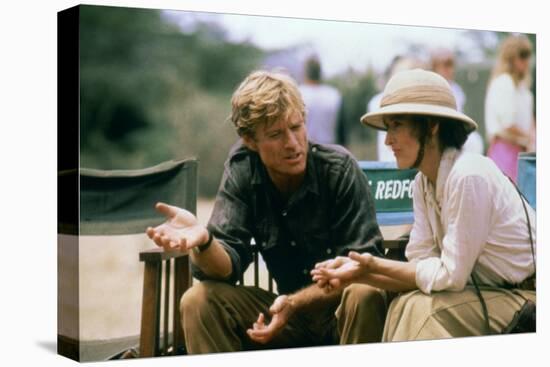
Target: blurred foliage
point(357, 89)
point(474, 80)
point(151, 93)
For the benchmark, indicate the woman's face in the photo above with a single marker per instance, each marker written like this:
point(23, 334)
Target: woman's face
point(520, 65)
point(402, 140)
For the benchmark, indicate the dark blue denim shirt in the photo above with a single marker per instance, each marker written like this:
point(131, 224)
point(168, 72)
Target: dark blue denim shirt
point(330, 214)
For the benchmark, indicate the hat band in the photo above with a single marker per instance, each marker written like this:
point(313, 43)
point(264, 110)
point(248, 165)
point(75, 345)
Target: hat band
point(426, 94)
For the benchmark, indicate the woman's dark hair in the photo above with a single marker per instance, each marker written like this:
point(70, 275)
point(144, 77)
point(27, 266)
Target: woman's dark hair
point(451, 133)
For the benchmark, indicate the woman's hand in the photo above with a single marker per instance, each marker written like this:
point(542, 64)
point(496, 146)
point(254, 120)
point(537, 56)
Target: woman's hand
point(341, 271)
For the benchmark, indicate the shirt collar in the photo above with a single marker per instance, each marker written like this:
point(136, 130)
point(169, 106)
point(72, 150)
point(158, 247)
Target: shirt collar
point(446, 163)
point(311, 182)
point(258, 169)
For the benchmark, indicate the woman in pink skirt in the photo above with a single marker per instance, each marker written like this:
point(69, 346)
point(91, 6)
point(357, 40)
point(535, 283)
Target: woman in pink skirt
point(509, 105)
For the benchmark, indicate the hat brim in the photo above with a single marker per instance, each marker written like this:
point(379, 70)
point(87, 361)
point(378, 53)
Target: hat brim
point(376, 119)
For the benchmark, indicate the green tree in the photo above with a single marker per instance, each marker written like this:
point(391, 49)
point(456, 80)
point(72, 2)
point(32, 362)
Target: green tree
point(357, 89)
point(150, 93)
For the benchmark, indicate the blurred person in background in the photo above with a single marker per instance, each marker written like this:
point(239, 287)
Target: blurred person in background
point(273, 179)
point(509, 118)
point(324, 119)
point(398, 64)
point(443, 63)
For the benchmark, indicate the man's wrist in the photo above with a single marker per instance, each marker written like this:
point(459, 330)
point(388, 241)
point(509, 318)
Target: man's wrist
point(206, 245)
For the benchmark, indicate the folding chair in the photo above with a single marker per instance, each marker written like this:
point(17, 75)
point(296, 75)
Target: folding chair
point(120, 202)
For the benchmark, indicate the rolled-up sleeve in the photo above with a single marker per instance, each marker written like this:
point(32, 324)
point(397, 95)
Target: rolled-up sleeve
point(229, 224)
point(469, 220)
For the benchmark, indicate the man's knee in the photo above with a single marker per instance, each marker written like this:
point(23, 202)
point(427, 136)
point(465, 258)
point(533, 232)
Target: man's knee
point(200, 295)
point(361, 314)
point(363, 296)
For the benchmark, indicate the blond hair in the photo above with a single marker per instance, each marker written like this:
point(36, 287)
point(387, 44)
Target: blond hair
point(264, 97)
point(510, 49)
point(440, 55)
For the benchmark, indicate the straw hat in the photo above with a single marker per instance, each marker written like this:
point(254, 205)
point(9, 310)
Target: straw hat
point(417, 92)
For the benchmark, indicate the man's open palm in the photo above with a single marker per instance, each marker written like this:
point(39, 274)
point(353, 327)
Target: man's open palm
point(181, 231)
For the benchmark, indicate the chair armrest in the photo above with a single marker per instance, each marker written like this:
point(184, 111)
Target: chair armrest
point(395, 249)
point(158, 254)
point(397, 244)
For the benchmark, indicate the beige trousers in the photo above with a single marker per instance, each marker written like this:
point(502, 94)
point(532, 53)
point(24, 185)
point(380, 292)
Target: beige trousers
point(216, 315)
point(418, 316)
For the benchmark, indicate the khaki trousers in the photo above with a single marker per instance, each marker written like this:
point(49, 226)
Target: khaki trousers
point(418, 316)
point(216, 315)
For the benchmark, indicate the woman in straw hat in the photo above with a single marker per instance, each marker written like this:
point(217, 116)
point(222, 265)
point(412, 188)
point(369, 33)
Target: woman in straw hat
point(469, 224)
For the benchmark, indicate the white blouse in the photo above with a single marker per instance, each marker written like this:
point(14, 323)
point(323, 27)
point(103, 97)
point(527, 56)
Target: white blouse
point(507, 104)
point(472, 219)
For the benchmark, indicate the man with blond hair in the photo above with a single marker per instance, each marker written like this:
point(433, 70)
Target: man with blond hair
point(301, 203)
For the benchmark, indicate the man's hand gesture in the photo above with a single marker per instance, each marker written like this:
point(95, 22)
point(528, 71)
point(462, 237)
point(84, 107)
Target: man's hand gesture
point(180, 232)
point(281, 310)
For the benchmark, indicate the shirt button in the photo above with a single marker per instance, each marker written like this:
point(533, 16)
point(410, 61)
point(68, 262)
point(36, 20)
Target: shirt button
point(305, 271)
point(263, 244)
point(314, 149)
point(284, 213)
point(329, 251)
point(292, 243)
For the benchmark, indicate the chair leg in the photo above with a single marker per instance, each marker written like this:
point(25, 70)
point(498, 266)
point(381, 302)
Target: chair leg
point(182, 282)
point(166, 312)
point(256, 270)
point(150, 310)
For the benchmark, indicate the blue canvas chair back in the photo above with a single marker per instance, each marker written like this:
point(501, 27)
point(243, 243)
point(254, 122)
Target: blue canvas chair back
point(527, 177)
point(391, 189)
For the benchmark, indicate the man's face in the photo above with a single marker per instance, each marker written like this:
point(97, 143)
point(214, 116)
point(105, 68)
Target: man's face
point(282, 147)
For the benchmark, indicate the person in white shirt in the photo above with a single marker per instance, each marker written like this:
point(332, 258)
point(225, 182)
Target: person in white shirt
point(443, 63)
point(323, 105)
point(398, 64)
point(469, 221)
point(509, 117)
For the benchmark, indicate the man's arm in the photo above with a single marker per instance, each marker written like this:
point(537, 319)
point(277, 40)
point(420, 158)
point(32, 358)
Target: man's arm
point(230, 225)
point(353, 220)
point(182, 232)
point(214, 261)
point(305, 300)
point(313, 298)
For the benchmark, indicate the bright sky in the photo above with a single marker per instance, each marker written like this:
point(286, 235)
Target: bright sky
point(338, 44)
